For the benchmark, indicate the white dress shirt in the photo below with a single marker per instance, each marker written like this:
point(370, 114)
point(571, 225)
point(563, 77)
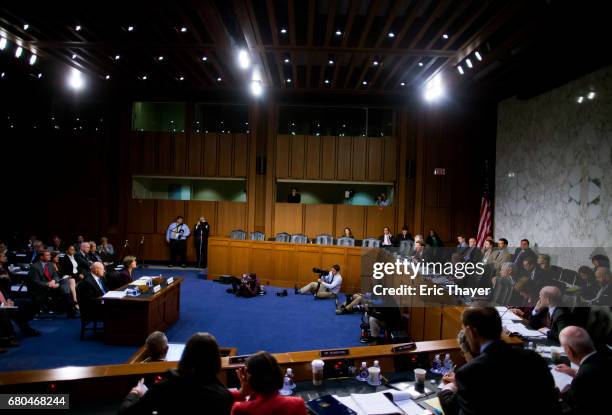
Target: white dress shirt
point(332, 282)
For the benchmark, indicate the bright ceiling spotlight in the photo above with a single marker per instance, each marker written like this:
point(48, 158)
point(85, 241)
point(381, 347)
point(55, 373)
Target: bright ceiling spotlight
point(18, 52)
point(117, 57)
point(2, 43)
point(391, 34)
point(26, 26)
point(330, 62)
point(478, 56)
point(107, 77)
point(468, 62)
point(183, 29)
point(327, 81)
point(283, 31)
point(338, 33)
point(181, 78)
point(591, 95)
point(130, 28)
point(244, 61)
point(288, 80)
point(33, 59)
point(580, 99)
point(434, 89)
point(444, 36)
point(375, 63)
point(256, 88)
point(77, 28)
point(460, 69)
point(420, 63)
point(204, 58)
point(219, 79)
point(402, 84)
point(75, 80)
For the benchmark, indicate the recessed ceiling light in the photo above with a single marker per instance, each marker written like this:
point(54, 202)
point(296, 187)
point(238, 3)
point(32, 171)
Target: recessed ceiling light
point(26, 26)
point(33, 59)
point(160, 58)
point(391, 34)
point(288, 80)
point(130, 28)
point(181, 78)
point(107, 77)
point(580, 99)
point(117, 57)
point(444, 36)
point(18, 52)
point(331, 61)
point(420, 63)
point(39, 75)
point(283, 31)
point(2, 75)
point(219, 79)
point(477, 54)
point(375, 63)
point(74, 56)
point(338, 33)
point(460, 69)
point(468, 62)
point(183, 29)
point(327, 81)
point(591, 95)
point(287, 60)
point(77, 28)
point(144, 77)
point(365, 82)
point(402, 84)
point(204, 58)
point(2, 43)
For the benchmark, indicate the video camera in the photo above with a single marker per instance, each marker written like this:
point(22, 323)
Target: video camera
point(320, 271)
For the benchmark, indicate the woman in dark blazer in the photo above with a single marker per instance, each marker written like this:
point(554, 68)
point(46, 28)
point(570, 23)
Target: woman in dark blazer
point(260, 380)
point(125, 276)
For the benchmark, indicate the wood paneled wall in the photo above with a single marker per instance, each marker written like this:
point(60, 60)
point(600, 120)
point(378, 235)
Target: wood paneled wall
point(371, 159)
point(312, 220)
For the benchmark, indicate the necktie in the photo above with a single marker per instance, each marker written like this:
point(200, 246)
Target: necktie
point(102, 287)
point(46, 271)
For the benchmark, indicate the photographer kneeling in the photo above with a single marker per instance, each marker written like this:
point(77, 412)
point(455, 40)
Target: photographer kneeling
point(327, 286)
point(247, 286)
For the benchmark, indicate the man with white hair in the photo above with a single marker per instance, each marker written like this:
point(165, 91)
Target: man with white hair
point(548, 316)
point(92, 288)
point(156, 347)
point(604, 294)
point(587, 393)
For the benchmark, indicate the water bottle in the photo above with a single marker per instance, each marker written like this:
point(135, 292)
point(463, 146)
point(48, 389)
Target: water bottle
point(286, 390)
point(362, 374)
point(289, 375)
point(262, 290)
point(377, 380)
point(448, 363)
point(436, 365)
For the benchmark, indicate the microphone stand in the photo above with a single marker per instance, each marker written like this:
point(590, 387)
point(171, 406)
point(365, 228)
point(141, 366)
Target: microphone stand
point(140, 253)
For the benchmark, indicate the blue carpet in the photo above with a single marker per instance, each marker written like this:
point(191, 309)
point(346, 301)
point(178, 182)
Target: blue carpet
point(275, 324)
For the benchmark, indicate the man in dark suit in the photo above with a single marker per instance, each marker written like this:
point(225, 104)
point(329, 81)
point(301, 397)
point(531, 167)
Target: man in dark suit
point(90, 289)
point(548, 316)
point(387, 239)
point(485, 385)
point(604, 293)
point(539, 276)
point(44, 282)
point(472, 253)
point(588, 393)
point(520, 254)
point(82, 258)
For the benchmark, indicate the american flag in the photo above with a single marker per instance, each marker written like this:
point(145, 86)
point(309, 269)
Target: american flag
point(486, 213)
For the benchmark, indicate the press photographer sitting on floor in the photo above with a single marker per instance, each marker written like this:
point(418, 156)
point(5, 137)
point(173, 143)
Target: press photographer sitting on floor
point(247, 286)
point(327, 286)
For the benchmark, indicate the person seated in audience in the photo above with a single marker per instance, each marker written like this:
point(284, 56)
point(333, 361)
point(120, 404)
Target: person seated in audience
point(44, 283)
point(404, 235)
point(600, 261)
point(260, 381)
point(57, 245)
point(433, 239)
point(548, 316)
point(3, 248)
point(532, 272)
point(124, 277)
point(486, 256)
point(294, 196)
point(106, 250)
point(327, 286)
point(529, 293)
point(192, 388)
point(387, 239)
point(520, 254)
point(549, 272)
point(508, 270)
point(80, 239)
point(501, 254)
point(91, 289)
point(472, 253)
point(603, 297)
point(34, 253)
point(69, 266)
point(56, 261)
point(82, 258)
point(156, 347)
point(247, 286)
point(347, 233)
point(5, 277)
point(421, 252)
point(587, 283)
point(461, 244)
point(381, 200)
point(481, 386)
point(93, 255)
point(588, 392)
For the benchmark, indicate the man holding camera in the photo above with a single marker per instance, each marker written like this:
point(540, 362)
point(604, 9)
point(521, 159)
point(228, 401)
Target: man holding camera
point(327, 286)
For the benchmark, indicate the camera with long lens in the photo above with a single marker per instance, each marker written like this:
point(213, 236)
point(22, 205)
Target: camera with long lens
point(320, 271)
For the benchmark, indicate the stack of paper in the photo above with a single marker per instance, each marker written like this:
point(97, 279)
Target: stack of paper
point(379, 403)
point(114, 294)
point(521, 330)
point(562, 380)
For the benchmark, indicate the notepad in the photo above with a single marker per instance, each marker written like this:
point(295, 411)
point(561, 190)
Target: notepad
point(562, 380)
point(114, 294)
point(388, 402)
point(435, 403)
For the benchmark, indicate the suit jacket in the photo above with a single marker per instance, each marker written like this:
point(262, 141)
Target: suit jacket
point(500, 256)
point(588, 393)
point(66, 268)
point(520, 256)
point(391, 239)
point(560, 319)
point(603, 295)
point(37, 278)
point(270, 405)
point(83, 262)
point(472, 254)
point(119, 279)
point(485, 384)
point(178, 394)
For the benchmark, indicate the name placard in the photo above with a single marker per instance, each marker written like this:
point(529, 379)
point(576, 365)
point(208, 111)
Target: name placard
point(334, 352)
point(403, 347)
point(169, 280)
point(234, 360)
point(156, 289)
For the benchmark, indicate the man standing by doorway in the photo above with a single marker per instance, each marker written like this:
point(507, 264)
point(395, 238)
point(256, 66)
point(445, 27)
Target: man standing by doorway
point(176, 236)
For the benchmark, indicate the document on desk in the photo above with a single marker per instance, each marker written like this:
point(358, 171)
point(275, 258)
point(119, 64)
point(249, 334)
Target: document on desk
point(380, 403)
point(562, 380)
point(114, 294)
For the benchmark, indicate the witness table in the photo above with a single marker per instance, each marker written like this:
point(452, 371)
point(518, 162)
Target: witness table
point(129, 320)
